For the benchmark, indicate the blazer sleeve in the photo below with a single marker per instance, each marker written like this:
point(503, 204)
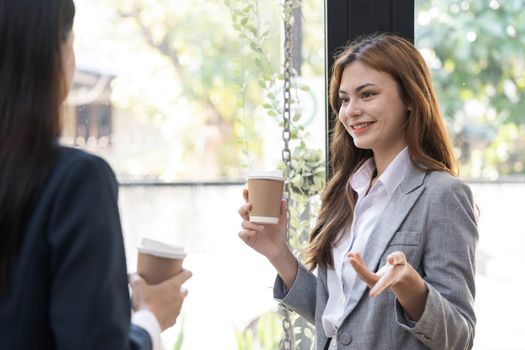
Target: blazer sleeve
point(448, 320)
point(89, 299)
point(302, 295)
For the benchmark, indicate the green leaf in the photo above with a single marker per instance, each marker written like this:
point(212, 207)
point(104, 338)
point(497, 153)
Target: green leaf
point(251, 29)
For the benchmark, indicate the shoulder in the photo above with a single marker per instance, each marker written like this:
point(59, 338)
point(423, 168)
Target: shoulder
point(441, 185)
point(68, 157)
point(444, 180)
point(79, 175)
point(72, 163)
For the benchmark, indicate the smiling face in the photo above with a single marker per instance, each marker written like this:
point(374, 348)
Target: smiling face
point(372, 109)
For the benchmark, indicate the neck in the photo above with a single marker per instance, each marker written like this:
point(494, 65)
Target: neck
point(383, 158)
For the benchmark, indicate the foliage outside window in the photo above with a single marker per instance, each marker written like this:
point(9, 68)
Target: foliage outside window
point(476, 51)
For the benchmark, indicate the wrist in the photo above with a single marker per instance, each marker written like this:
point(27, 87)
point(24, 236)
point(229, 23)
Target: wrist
point(280, 256)
point(286, 265)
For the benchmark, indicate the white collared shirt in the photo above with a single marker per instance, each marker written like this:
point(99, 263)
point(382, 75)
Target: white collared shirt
point(147, 321)
point(368, 210)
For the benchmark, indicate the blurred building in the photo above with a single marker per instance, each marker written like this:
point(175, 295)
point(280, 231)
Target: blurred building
point(88, 115)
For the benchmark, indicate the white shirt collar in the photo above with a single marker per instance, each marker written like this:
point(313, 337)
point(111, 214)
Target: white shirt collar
point(390, 179)
point(360, 180)
point(395, 171)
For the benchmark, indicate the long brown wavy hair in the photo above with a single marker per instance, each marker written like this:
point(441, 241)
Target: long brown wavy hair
point(428, 142)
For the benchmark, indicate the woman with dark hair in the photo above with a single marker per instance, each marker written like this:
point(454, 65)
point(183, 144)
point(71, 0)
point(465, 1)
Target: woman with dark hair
point(395, 220)
point(63, 281)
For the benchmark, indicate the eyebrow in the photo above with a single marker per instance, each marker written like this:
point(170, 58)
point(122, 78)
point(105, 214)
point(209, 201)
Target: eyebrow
point(359, 88)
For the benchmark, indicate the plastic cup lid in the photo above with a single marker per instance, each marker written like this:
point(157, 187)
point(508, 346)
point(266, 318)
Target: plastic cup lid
point(161, 249)
point(270, 175)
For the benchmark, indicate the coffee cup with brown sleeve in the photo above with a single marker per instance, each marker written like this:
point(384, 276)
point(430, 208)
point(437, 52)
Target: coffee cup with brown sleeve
point(265, 190)
point(158, 261)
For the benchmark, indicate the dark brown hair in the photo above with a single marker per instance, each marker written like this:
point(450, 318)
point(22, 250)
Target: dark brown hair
point(31, 78)
point(429, 145)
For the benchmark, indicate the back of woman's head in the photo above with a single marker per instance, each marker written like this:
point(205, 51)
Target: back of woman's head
point(31, 87)
point(428, 143)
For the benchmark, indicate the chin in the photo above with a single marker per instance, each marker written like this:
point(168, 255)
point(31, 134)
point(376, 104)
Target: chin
point(362, 144)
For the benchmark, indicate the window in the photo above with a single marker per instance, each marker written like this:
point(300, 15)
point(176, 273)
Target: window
point(183, 103)
point(477, 58)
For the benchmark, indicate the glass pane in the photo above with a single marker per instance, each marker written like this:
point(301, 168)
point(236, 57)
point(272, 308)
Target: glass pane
point(183, 99)
point(476, 51)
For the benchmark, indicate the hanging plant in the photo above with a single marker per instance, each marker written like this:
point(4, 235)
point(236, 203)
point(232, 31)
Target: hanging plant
point(303, 167)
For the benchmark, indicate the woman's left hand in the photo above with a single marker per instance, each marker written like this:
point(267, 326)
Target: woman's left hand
point(387, 276)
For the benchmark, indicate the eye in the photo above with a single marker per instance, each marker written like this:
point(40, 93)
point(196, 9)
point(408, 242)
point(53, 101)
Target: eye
point(344, 100)
point(367, 94)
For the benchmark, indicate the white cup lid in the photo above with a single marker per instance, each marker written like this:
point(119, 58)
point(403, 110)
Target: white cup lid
point(270, 175)
point(161, 249)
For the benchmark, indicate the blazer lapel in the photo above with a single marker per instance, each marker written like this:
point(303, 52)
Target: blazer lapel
point(395, 212)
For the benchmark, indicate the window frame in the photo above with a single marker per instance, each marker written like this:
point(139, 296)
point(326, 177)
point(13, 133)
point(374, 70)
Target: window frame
point(347, 19)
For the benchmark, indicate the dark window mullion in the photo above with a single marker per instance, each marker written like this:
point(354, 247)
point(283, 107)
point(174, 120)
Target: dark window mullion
point(347, 19)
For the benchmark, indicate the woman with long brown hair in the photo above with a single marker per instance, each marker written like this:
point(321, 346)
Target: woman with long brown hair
point(395, 219)
point(63, 280)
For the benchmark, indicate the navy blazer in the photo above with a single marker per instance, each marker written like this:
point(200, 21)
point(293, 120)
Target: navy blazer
point(67, 284)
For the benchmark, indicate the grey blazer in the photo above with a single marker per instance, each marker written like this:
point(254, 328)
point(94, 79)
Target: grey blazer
point(431, 219)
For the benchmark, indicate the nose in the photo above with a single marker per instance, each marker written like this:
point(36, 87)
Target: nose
point(351, 110)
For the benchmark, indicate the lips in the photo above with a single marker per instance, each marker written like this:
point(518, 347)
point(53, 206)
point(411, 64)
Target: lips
point(361, 126)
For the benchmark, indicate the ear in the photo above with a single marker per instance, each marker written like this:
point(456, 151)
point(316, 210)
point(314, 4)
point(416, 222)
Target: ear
point(409, 107)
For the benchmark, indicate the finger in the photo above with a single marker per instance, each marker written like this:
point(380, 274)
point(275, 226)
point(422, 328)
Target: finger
point(134, 278)
point(383, 283)
point(386, 268)
point(180, 278)
point(245, 194)
point(248, 237)
point(244, 211)
point(362, 271)
point(397, 258)
point(183, 292)
point(250, 226)
point(359, 257)
point(283, 212)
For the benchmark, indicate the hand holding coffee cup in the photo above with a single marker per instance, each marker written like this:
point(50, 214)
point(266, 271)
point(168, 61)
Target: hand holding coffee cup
point(159, 286)
point(164, 299)
point(266, 236)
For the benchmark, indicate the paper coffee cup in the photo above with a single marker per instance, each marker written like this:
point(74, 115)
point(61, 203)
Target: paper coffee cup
point(158, 261)
point(265, 190)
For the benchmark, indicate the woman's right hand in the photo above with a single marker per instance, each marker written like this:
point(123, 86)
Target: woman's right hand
point(268, 239)
point(164, 299)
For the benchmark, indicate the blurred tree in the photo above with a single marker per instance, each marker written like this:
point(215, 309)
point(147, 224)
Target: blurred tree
point(476, 51)
point(210, 66)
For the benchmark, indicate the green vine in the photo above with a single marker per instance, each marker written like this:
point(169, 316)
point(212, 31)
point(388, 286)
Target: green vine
point(306, 173)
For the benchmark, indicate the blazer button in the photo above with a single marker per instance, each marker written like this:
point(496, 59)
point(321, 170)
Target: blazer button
point(345, 339)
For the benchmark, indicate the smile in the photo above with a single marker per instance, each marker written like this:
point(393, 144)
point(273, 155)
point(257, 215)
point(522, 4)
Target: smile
point(361, 126)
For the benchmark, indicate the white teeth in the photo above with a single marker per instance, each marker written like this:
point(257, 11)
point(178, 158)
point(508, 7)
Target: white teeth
point(361, 126)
